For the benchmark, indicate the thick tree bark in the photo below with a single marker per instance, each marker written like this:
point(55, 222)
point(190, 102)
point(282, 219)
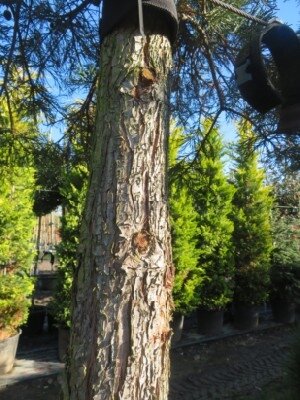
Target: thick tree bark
point(120, 329)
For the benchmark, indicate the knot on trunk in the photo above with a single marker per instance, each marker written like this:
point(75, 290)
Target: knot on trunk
point(141, 241)
point(147, 77)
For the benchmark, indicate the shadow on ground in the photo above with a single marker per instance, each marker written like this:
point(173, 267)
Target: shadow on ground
point(232, 368)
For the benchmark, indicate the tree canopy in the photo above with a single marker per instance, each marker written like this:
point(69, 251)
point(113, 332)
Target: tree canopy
point(56, 45)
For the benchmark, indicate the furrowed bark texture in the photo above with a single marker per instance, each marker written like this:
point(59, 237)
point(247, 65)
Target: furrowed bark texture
point(120, 334)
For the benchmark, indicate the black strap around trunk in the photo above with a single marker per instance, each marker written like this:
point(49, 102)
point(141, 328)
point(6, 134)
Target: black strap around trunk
point(284, 45)
point(160, 16)
point(252, 76)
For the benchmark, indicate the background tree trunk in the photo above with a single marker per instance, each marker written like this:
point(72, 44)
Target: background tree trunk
point(120, 326)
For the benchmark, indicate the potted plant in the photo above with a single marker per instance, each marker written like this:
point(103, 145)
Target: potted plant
point(185, 257)
point(184, 240)
point(73, 190)
point(252, 240)
point(17, 184)
point(283, 291)
point(15, 291)
point(251, 290)
point(184, 296)
point(285, 266)
point(60, 307)
point(73, 187)
point(215, 293)
point(213, 199)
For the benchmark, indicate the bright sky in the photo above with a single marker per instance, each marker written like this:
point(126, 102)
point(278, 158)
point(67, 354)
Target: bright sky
point(289, 13)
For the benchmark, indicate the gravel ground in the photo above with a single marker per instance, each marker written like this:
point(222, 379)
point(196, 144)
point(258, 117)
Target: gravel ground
point(234, 368)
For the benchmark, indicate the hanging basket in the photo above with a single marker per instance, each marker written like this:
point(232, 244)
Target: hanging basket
point(253, 78)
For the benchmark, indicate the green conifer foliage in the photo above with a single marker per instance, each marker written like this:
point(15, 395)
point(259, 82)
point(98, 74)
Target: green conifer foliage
point(184, 234)
point(73, 183)
point(285, 256)
point(16, 190)
point(213, 195)
point(252, 203)
point(73, 191)
point(16, 218)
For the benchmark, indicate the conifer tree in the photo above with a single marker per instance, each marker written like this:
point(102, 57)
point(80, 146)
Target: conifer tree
point(285, 255)
point(73, 190)
point(16, 185)
point(252, 240)
point(184, 234)
point(73, 187)
point(16, 216)
point(213, 194)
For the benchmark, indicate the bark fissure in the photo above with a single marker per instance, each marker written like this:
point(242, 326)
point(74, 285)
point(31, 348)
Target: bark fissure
point(120, 321)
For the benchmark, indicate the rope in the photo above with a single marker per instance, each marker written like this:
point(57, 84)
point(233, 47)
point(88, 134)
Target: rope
point(241, 13)
point(141, 18)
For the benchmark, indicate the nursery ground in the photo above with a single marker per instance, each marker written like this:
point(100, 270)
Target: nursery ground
point(235, 368)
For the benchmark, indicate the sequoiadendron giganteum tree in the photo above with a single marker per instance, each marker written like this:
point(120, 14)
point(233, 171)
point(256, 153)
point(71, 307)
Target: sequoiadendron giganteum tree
point(120, 333)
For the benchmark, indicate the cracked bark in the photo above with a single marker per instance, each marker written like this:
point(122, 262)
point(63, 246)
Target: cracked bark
point(120, 333)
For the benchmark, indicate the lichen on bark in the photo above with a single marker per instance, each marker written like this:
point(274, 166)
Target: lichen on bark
point(120, 333)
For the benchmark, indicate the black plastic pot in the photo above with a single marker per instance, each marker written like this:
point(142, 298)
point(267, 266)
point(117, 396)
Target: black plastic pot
point(246, 316)
point(210, 322)
point(283, 311)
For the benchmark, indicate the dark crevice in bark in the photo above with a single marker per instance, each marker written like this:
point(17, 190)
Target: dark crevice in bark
point(146, 225)
point(156, 141)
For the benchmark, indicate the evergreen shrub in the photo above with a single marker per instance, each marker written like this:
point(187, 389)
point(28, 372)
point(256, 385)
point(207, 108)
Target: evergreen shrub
point(213, 196)
point(15, 291)
point(252, 204)
point(183, 230)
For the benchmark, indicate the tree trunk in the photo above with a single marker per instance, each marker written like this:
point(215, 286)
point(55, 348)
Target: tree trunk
point(120, 326)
